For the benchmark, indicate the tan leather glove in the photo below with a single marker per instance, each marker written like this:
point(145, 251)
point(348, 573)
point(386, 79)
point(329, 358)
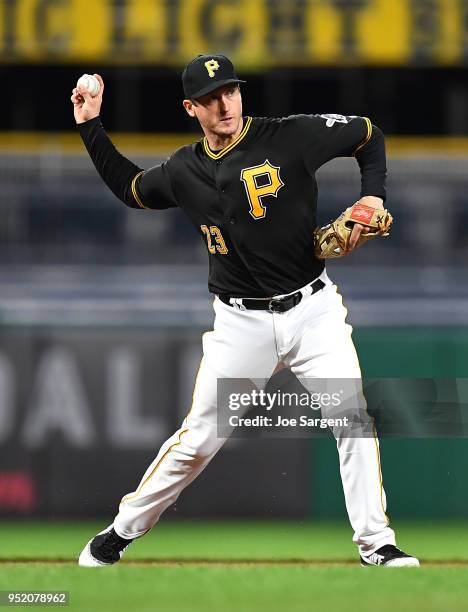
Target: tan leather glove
point(332, 240)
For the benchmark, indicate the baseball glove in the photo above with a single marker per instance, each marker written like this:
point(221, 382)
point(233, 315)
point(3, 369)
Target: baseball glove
point(332, 240)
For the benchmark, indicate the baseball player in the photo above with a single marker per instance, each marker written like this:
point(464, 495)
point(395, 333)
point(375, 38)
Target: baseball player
point(249, 189)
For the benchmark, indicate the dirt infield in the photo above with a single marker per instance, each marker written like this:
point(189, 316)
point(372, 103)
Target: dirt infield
point(231, 562)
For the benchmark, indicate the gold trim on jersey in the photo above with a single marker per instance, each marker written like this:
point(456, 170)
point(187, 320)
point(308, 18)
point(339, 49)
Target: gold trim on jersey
point(367, 138)
point(223, 152)
point(135, 192)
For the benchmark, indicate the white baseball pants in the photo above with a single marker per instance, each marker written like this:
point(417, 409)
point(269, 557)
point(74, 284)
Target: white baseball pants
point(313, 340)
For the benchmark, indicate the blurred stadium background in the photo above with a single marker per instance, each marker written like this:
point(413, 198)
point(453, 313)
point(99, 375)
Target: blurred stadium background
point(102, 308)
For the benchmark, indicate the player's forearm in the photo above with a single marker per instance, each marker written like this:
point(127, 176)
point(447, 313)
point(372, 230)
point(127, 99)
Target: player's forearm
point(373, 164)
point(116, 170)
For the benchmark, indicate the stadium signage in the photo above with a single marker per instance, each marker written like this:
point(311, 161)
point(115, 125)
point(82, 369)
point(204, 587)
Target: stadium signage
point(256, 33)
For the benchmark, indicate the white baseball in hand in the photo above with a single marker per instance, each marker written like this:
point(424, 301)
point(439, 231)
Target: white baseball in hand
point(89, 82)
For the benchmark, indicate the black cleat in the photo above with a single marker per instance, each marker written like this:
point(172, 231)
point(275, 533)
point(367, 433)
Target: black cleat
point(390, 556)
point(106, 548)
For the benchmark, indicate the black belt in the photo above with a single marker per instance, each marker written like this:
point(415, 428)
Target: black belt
point(277, 305)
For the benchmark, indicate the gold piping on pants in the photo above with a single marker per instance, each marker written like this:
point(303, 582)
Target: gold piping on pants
point(127, 498)
point(376, 440)
point(374, 431)
point(134, 496)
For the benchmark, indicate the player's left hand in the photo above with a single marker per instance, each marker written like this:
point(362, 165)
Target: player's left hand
point(364, 220)
point(359, 229)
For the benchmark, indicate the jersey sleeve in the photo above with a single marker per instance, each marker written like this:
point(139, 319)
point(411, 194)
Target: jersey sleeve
point(135, 187)
point(153, 189)
point(325, 137)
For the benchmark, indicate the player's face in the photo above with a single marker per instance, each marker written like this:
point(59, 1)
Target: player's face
point(218, 112)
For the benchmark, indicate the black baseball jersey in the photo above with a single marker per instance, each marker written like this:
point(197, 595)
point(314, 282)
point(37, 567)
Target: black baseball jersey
point(254, 203)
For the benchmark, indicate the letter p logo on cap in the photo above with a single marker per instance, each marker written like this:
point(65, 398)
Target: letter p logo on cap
point(211, 65)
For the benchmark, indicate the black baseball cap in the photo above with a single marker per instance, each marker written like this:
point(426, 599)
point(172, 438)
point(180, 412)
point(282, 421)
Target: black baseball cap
point(206, 73)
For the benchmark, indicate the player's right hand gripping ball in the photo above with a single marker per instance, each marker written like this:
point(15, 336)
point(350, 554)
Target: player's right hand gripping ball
point(332, 240)
point(89, 82)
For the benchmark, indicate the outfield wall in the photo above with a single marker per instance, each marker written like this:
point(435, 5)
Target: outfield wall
point(84, 410)
point(423, 478)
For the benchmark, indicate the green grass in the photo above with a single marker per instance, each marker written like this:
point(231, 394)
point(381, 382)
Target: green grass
point(255, 588)
point(187, 587)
